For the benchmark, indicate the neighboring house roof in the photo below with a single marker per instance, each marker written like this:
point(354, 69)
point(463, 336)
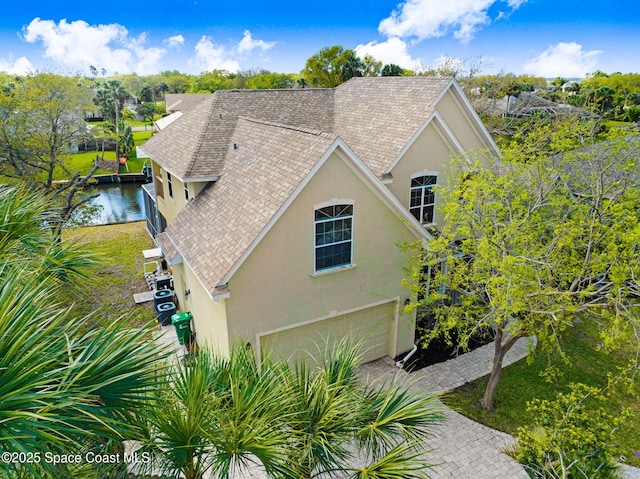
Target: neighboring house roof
point(376, 117)
point(183, 101)
point(611, 162)
point(527, 104)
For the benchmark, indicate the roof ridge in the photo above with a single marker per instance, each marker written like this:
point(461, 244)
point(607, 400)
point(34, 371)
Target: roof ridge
point(197, 144)
point(309, 131)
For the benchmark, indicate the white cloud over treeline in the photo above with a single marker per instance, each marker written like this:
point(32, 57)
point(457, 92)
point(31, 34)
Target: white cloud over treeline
point(565, 59)
point(416, 20)
point(78, 44)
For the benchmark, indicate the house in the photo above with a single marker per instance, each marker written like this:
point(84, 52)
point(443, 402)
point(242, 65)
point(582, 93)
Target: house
point(529, 104)
point(183, 101)
point(280, 211)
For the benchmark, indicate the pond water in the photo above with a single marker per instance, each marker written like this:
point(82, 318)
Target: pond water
point(120, 202)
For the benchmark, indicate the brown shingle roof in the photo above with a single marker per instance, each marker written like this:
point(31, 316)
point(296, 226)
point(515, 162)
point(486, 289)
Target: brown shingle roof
point(183, 101)
point(271, 160)
point(375, 116)
point(195, 145)
point(378, 116)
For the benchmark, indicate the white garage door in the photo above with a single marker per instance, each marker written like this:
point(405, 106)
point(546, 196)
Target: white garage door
point(372, 327)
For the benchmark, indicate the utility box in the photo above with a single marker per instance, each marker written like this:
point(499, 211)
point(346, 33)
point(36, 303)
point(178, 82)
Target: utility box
point(182, 323)
point(164, 281)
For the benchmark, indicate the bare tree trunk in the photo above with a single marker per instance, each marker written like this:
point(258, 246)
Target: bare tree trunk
point(499, 351)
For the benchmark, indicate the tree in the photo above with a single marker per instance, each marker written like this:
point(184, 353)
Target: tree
point(147, 110)
point(110, 97)
point(391, 70)
point(533, 241)
point(176, 82)
point(326, 69)
point(573, 436)
point(293, 421)
point(267, 80)
point(212, 81)
point(41, 119)
point(352, 67)
point(371, 67)
point(64, 390)
point(147, 93)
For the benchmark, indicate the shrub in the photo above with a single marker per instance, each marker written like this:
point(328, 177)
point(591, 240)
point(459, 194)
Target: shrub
point(572, 437)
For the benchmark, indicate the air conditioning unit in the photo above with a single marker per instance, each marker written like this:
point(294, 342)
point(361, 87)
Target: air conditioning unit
point(161, 296)
point(165, 311)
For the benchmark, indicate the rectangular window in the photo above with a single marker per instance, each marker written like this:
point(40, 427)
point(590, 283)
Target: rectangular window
point(186, 191)
point(333, 236)
point(422, 202)
point(170, 185)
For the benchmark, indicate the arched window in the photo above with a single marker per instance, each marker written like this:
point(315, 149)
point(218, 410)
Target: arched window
point(333, 236)
point(423, 199)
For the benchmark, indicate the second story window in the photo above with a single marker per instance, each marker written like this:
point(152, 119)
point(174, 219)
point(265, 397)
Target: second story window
point(333, 236)
point(186, 191)
point(170, 185)
point(423, 199)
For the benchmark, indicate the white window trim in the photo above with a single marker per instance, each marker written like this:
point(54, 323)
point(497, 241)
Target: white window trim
point(435, 200)
point(343, 267)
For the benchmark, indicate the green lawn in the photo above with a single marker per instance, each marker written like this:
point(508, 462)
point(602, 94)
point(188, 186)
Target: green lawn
point(522, 382)
point(83, 162)
point(108, 294)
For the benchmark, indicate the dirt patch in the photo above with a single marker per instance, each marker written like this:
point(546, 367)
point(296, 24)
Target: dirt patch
point(108, 165)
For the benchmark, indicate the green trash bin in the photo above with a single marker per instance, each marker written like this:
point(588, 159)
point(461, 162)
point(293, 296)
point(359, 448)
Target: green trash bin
point(182, 323)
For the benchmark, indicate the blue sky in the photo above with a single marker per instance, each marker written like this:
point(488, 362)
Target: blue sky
point(542, 37)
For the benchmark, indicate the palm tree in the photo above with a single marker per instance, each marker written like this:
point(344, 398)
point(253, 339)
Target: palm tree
point(63, 389)
point(225, 416)
point(337, 422)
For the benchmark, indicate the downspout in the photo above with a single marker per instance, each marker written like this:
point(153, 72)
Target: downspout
point(402, 362)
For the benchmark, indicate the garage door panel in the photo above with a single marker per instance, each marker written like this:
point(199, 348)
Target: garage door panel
point(371, 327)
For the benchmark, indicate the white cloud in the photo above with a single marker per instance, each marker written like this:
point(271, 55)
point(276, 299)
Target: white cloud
point(428, 18)
point(248, 44)
point(393, 50)
point(210, 56)
point(565, 60)
point(21, 66)
point(175, 41)
point(213, 56)
point(77, 44)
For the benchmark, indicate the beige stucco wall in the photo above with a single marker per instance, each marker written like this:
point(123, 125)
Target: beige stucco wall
point(170, 207)
point(432, 151)
point(276, 287)
point(209, 316)
point(196, 187)
point(459, 120)
point(430, 154)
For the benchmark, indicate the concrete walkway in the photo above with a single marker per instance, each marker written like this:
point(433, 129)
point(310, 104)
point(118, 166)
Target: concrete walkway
point(461, 448)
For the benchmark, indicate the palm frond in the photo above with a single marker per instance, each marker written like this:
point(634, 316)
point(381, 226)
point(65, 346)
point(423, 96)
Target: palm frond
point(399, 463)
